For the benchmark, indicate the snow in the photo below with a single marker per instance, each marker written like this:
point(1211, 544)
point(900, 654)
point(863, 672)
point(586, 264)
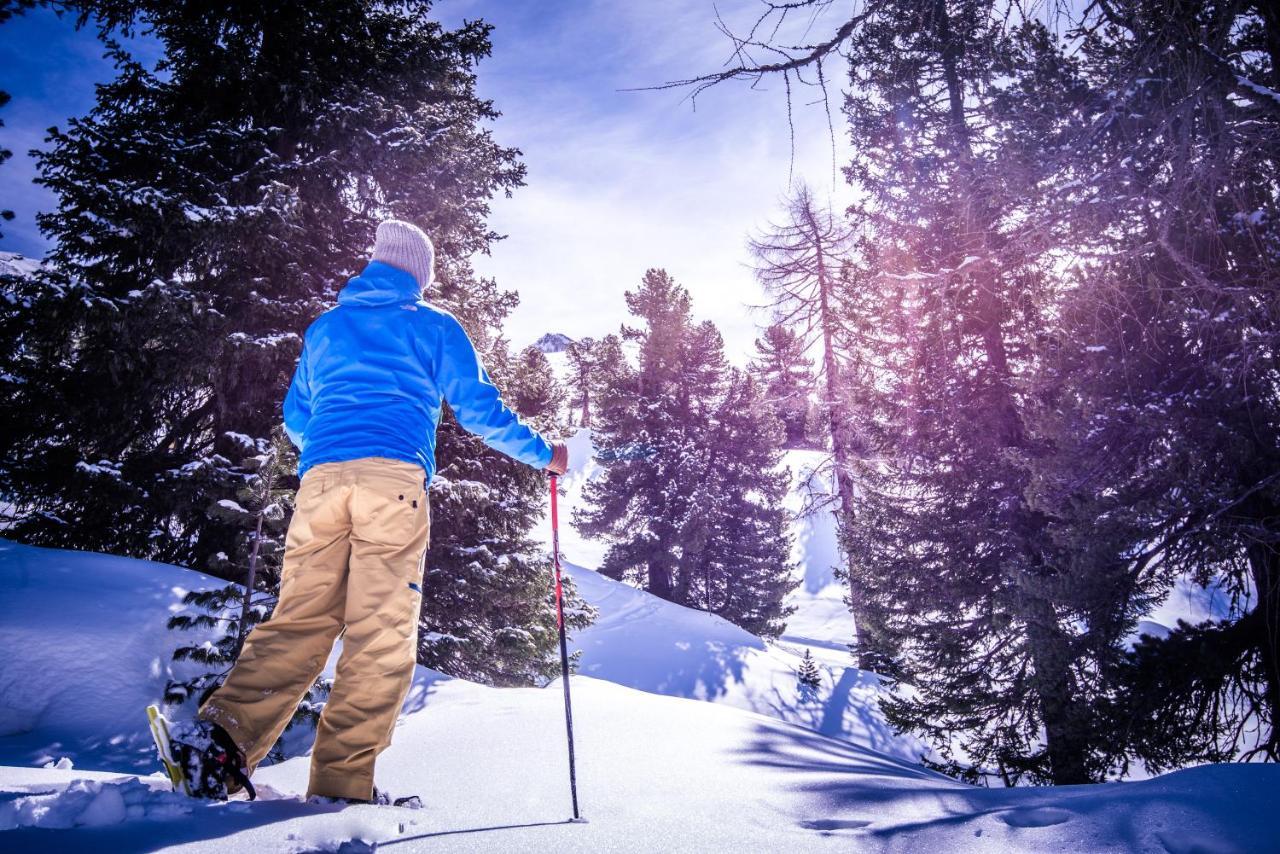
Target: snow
point(1258, 89)
point(655, 773)
point(822, 619)
point(643, 642)
point(553, 342)
point(106, 468)
point(13, 264)
point(691, 735)
point(85, 649)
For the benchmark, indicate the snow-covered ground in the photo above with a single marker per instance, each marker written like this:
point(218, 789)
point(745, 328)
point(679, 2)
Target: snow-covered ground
point(644, 642)
point(691, 734)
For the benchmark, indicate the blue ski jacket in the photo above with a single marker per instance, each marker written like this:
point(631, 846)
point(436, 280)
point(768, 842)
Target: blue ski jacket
point(374, 370)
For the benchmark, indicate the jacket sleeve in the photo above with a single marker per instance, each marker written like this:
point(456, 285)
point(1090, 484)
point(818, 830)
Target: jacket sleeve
point(297, 402)
point(478, 405)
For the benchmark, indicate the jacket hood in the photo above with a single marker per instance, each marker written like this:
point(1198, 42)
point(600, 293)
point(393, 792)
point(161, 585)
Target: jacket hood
point(380, 284)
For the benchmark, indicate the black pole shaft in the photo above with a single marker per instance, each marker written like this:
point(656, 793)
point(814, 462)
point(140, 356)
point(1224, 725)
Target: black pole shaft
point(564, 650)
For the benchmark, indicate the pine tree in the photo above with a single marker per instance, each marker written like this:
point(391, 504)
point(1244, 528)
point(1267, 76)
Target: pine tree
point(637, 411)
point(951, 569)
point(582, 358)
point(206, 211)
point(1160, 388)
point(989, 621)
point(801, 263)
point(785, 373)
point(738, 548)
point(690, 500)
point(537, 391)
point(209, 209)
point(808, 677)
point(1067, 303)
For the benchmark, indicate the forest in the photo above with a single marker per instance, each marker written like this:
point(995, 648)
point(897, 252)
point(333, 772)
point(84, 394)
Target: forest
point(1039, 352)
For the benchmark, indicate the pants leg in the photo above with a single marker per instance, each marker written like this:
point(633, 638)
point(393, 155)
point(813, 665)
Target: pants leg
point(283, 656)
point(389, 533)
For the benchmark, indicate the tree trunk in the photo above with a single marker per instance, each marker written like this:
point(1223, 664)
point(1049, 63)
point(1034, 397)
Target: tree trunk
point(1264, 566)
point(1066, 735)
point(866, 654)
point(660, 580)
point(1065, 722)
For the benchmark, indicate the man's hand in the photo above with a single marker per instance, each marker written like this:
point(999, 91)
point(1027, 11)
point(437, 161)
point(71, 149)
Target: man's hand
point(559, 458)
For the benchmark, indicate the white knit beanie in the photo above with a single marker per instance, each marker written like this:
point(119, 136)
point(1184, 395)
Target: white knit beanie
point(404, 245)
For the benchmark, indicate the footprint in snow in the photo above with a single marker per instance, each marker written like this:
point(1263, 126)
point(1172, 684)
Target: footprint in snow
point(828, 825)
point(1192, 843)
point(1035, 817)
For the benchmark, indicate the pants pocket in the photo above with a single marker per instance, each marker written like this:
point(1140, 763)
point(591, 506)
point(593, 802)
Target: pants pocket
point(392, 508)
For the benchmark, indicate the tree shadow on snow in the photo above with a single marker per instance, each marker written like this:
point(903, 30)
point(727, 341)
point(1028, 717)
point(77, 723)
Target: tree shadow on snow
point(881, 797)
point(204, 822)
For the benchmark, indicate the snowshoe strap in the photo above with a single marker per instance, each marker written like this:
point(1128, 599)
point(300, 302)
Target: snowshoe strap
point(233, 760)
point(237, 773)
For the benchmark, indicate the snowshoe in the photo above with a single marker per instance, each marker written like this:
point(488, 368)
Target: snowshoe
point(201, 759)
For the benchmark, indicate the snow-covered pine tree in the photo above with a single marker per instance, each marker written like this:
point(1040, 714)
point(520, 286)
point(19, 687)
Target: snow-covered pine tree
point(640, 440)
point(536, 391)
point(785, 373)
point(738, 552)
point(582, 358)
point(487, 606)
point(808, 677)
point(208, 211)
point(689, 500)
point(989, 624)
point(970, 599)
point(1160, 391)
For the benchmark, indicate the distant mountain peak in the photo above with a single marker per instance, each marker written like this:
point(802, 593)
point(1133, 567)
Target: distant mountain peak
point(13, 264)
point(553, 342)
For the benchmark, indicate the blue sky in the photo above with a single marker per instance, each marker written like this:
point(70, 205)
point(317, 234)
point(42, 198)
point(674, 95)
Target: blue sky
point(618, 181)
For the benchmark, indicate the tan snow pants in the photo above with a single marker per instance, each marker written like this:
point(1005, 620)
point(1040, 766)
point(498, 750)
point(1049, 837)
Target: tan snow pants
point(353, 560)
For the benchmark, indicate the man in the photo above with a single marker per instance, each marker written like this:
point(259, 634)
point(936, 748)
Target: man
point(363, 409)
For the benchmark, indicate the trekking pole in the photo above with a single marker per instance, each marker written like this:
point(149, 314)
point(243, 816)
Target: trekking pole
point(564, 650)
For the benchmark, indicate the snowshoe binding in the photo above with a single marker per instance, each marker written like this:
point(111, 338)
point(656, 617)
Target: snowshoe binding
point(201, 759)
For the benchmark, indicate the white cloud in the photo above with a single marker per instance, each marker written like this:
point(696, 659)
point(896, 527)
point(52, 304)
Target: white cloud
point(622, 181)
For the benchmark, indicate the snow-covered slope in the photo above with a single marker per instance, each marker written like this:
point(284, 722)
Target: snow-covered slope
point(821, 620)
point(655, 774)
point(84, 649)
point(646, 643)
